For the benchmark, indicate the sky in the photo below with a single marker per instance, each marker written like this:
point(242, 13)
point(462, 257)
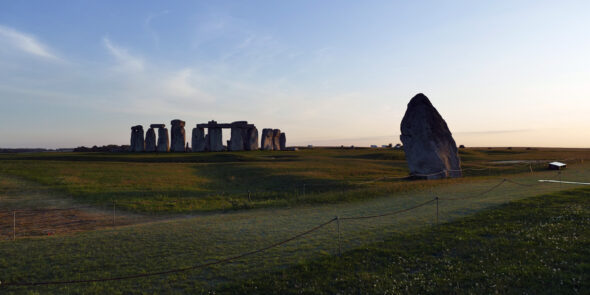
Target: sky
point(501, 73)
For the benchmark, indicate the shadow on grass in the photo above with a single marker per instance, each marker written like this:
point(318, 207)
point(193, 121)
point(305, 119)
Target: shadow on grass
point(235, 178)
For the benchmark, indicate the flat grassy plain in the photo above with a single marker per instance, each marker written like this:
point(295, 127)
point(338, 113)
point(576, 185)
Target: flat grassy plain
point(193, 182)
point(168, 237)
point(539, 245)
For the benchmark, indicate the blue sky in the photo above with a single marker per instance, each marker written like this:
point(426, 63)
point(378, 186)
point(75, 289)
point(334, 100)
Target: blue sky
point(502, 73)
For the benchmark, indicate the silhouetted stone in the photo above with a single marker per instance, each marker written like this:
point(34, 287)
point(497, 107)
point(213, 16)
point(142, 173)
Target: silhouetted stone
point(238, 135)
point(266, 140)
point(283, 141)
point(429, 146)
point(215, 140)
point(163, 140)
point(150, 140)
point(178, 136)
point(276, 138)
point(251, 143)
point(198, 140)
point(157, 126)
point(137, 141)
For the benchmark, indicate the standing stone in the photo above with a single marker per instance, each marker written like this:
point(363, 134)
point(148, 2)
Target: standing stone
point(137, 142)
point(236, 143)
point(429, 146)
point(266, 139)
point(178, 136)
point(215, 139)
point(163, 140)
point(150, 140)
point(251, 141)
point(207, 143)
point(276, 139)
point(198, 140)
point(283, 141)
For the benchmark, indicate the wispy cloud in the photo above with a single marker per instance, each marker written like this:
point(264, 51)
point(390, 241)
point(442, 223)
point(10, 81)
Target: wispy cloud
point(25, 43)
point(125, 59)
point(148, 25)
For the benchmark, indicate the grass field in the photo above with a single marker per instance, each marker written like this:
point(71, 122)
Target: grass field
point(539, 245)
point(162, 240)
point(182, 183)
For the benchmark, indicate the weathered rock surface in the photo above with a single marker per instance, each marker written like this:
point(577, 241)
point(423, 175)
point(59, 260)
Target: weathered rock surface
point(429, 146)
point(198, 140)
point(215, 140)
point(178, 136)
point(238, 135)
point(283, 141)
point(266, 140)
point(150, 140)
point(137, 143)
point(276, 139)
point(163, 140)
point(252, 139)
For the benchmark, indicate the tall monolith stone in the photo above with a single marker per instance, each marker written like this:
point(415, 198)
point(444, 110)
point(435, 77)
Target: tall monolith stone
point(198, 140)
point(137, 143)
point(266, 140)
point(150, 140)
point(283, 141)
point(276, 139)
point(252, 139)
point(178, 136)
point(163, 140)
point(429, 146)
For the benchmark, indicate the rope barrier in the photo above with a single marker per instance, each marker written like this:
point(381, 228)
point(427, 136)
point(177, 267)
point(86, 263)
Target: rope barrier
point(388, 214)
point(274, 245)
point(478, 195)
point(172, 270)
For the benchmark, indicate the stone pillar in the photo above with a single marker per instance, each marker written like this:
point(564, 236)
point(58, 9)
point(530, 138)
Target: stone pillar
point(237, 139)
point(207, 143)
point(163, 140)
point(198, 140)
point(178, 136)
point(215, 139)
point(431, 151)
point(137, 141)
point(266, 139)
point(150, 140)
point(276, 136)
point(283, 141)
point(251, 142)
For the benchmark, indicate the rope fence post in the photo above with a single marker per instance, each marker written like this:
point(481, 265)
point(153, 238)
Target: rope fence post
point(249, 198)
point(304, 190)
point(14, 225)
point(338, 229)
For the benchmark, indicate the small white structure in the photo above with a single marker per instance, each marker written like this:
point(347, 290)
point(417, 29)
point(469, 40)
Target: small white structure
point(557, 166)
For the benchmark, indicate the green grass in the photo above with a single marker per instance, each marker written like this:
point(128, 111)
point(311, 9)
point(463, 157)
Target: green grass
point(183, 242)
point(181, 183)
point(539, 245)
